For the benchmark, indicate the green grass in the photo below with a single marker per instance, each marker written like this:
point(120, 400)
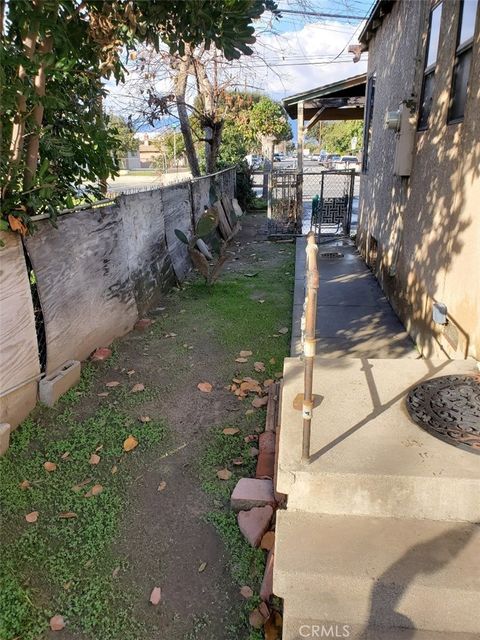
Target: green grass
point(65, 565)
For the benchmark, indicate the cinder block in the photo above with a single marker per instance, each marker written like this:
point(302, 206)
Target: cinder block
point(4, 437)
point(59, 382)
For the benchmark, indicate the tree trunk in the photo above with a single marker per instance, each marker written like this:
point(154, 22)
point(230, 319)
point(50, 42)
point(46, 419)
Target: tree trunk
point(213, 127)
point(180, 90)
point(31, 158)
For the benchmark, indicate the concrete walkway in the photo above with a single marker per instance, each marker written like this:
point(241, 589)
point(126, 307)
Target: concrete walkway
point(353, 316)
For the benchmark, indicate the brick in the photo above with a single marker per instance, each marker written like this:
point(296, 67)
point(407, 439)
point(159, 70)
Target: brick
point(265, 465)
point(252, 492)
point(5, 429)
point(52, 387)
point(266, 590)
point(101, 354)
point(266, 442)
point(254, 523)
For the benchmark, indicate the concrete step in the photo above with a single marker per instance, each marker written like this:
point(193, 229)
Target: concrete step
point(379, 572)
point(368, 457)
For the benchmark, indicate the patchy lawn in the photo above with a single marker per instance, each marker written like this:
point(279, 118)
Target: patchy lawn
point(162, 517)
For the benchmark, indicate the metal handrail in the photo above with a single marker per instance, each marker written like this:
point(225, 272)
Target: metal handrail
point(309, 343)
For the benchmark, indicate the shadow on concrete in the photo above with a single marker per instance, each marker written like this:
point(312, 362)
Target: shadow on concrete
point(424, 558)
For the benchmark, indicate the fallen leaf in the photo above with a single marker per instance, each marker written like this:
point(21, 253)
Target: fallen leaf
point(241, 360)
point(82, 484)
point(202, 567)
point(249, 412)
point(94, 459)
point(104, 394)
point(267, 383)
point(261, 301)
point(170, 335)
point(156, 596)
point(279, 374)
point(237, 461)
point(49, 466)
point(114, 469)
point(259, 366)
point(268, 540)
point(230, 431)
point(32, 516)
point(17, 225)
point(246, 592)
point(94, 491)
point(224, 474)
point(256, 619)
point(57, 623)
point(130, 443)
point(67, 585)
point(206, 387)
point(264, 610)
point(25, 484)
point(247, 387)
point(112, 383)
point(251, 275)
point(145, 419)
point(162, 486)
point(236, 380)
point(283, 330)
point(99, 448)
point(67, 514)
point(272, 361)
point(245, 354)
point(115, 572)
point(251, 438)
point(65, 455)
point(137, 388)
point(259, 402)
point(131, 372)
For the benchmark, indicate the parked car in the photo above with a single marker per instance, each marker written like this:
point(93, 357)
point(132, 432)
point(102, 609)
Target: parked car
point(277, 157)
point(347, 161)
point(254, 162)
point(330, 159)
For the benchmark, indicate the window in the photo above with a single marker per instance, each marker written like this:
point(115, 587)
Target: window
point(463, 59)
point(433, 39)
point(367, 132)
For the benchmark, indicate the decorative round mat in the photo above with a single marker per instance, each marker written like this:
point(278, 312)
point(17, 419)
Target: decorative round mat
point(449, 408)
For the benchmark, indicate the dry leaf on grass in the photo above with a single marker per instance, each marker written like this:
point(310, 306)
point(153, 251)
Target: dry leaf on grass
point(162, 486)
point(67, 515)
point(259, 402)
point(65, 455)
point(82, 484)
point(131, 372)
point(145, 419)
point(245, 354)
point(241, 360)
point(25, 484)
point(237, 461)
point(249, 412)
point(130, 443)
point(267, 383)
point(112, 383)
point(94, 459)
point(224, 474)
point(272, 361)
point(259, 366)
point(283, 330)
point(114, 469)
point(115, 572)
point(156, 596)
point(246, 592)
point(104, 394)
point(230, 431)
point(202, 567)
point(205, 387)
point(256, 619)
point(137, 388)
point(32, 516)
point(49, 466)
point(57, 623)
point(94, 491)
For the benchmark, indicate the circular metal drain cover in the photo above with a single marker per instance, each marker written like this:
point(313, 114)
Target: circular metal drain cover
point(449, 408)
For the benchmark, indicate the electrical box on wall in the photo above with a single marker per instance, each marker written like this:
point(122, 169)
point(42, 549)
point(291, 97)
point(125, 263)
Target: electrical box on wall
point(403, 123)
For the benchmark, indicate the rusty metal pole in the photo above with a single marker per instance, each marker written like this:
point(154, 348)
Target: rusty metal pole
point(309, 341)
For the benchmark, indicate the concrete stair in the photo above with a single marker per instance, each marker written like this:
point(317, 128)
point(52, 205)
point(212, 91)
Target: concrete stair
point(381, 531)
point(394, 578)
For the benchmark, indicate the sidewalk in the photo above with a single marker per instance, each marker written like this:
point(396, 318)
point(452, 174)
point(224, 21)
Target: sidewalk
point(354, 318)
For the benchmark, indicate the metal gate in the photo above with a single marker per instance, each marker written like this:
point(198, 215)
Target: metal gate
point(283, 215)
point(328, 198)
point(318, 200)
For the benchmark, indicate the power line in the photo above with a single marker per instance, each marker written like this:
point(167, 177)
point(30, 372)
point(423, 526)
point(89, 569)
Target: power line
point(321, 15)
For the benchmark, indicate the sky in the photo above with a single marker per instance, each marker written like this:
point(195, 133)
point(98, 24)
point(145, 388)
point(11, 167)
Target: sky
point(295, 53)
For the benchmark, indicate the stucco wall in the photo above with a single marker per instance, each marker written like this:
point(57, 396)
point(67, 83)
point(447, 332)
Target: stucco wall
point(427, 226)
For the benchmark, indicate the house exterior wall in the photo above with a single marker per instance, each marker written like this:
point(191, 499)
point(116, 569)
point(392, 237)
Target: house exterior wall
point(426, 226)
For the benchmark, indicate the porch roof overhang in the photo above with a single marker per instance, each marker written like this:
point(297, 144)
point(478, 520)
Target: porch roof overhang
point(342, 100)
